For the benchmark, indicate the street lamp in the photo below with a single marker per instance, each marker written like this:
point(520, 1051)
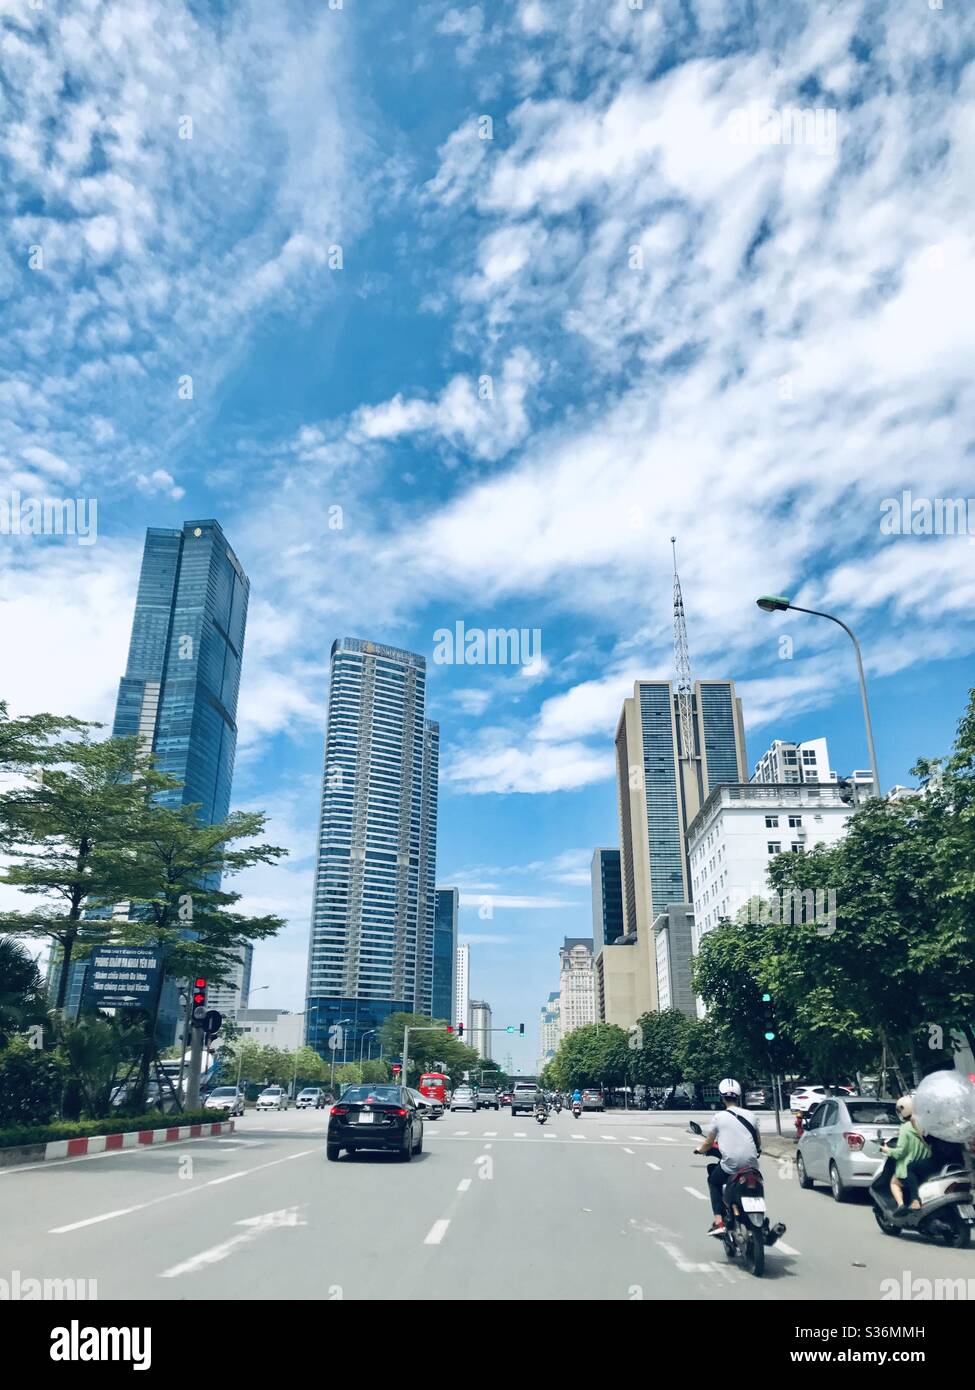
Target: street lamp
point(368, 1034)
point(778, 603)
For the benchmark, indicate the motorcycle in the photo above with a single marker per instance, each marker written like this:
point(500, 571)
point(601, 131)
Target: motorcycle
point(946, 1213)
point(558, 1107)
point(541, 1114)
point(576, 1109)
point(747, 1234)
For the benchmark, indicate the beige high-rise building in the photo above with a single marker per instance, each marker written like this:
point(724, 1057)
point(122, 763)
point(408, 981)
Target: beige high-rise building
point(661, 786)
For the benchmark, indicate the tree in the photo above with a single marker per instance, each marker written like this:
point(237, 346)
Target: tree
point(69, 834)
point(597, 1054)
point(22, 998)
point(427, 1048)
point(657, 1057)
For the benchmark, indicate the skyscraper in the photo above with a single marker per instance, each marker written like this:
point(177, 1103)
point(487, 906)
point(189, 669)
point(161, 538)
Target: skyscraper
point(576, 999)
point(445, 953)
point(481, 1029)
point(549, 1030)
point(179, 692)
point(661, 787)
point(607, 898)
point(371, 951)
point(462, 995)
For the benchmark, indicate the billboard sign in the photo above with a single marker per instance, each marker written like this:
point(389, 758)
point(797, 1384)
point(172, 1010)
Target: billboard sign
point(122, 977)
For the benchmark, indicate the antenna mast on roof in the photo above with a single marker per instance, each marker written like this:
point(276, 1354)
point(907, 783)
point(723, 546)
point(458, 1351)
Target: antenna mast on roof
point(682, 660)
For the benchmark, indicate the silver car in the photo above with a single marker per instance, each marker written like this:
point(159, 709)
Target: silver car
point(429, 1106)
point(839, 1144)
point(463, 1099)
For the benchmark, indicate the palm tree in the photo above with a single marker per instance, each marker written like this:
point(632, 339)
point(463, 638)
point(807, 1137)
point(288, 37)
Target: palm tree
point(22, 998)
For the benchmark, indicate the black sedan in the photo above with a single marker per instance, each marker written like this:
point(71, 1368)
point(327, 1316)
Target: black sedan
point(375, 1117)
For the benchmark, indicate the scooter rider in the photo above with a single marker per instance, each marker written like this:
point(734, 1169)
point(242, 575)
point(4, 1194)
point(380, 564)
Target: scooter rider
point(734, 1131)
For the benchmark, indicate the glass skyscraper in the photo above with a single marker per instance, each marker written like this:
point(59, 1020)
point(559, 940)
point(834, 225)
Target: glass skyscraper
point(445, 953)
point(607, 897)
point(372, 946)
point(179, 692)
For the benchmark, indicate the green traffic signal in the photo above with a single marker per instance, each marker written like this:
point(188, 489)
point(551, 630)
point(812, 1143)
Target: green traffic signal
point(509, 1029)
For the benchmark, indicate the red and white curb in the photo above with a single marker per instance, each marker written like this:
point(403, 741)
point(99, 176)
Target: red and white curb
point(133, 1139)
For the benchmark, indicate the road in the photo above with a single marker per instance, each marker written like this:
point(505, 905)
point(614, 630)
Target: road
point(609, 1206)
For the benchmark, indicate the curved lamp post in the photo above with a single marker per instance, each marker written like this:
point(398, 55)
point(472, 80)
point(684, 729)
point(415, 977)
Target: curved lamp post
point(777, 603)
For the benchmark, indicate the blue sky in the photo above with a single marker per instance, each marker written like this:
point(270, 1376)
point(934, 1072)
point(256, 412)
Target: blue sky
point(747, 343)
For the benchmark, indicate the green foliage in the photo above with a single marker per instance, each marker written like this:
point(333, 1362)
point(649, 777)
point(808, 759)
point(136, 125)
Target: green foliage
point(30, 1085)
point(22, 998)
point(15, 1136)
point(427, 1049)
point(598, 1054)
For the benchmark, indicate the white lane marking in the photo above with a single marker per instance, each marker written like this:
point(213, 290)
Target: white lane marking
point(685, 1265)
point(654, 1166)
point(550, 1136)
point(488, 1146)
point(230, 1177)
point(629, 1151)
point(578, 1136)
point(491, 1134)
point(462, 1134)
point(694, 1193)
point(436, 1233)
point(610, 1137)
point(520, 1134)
point(789, 1250)
point(172, 1196)
point(256, 1226)
point(640, 1138)
point(668, 1139)
point(463, 1185)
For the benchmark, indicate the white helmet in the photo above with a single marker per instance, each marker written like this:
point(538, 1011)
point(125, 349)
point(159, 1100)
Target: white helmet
point(729, 1087)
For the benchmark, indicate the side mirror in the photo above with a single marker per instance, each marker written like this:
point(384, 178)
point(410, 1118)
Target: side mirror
point(694, 1127)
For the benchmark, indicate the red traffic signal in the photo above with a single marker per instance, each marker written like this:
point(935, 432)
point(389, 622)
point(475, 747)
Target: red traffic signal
point(460, 1030)
point(199, 992)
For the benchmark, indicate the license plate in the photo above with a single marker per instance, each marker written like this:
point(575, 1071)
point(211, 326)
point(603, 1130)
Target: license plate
point(366, 1117)
point(753, 1203)
point(967, 1212)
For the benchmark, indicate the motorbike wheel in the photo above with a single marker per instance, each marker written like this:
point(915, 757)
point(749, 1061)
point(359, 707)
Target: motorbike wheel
point(888, 1228)
point(957, 1234)
point(755, 1253)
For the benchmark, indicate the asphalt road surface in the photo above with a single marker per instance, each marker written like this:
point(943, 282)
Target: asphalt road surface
point(610, 1206)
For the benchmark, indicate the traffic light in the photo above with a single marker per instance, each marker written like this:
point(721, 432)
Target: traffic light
point(521, 1029)
point(199, 992)
point(768, 1018)
point(510, 1028)
point(460, 1030)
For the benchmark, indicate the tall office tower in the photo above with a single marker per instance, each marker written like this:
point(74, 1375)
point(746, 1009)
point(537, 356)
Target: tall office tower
point(481, 1029)
point(549, 1031)
point(462, 995)
point(795, 762)
point(231, 998)
point(371, 951)
point(607, 898)
point(673, 937)
point(661, 786)
point(445, 953)
point(576, 999)
point(179, 691)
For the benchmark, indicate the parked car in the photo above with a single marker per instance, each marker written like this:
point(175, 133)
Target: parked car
point(525, 1096)
point(593, 1100)
point(273, 1098)
point(430, 1107)
point(839, 1143)
point(759, 1098)
point(463, 1098)
point(225, 1098)
point(806, 1095)
point(311, 1096)
point(487, 1098)
point(375, 1117)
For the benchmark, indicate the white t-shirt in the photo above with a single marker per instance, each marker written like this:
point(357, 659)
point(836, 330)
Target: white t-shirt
point(736, 1144)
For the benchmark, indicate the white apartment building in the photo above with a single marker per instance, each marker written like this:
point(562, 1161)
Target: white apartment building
point(462, 998)
point(795, 762)
point(273, 1028)
point(549, 1030)
point(739, 830)
point(230, 998)
point(577, 1000)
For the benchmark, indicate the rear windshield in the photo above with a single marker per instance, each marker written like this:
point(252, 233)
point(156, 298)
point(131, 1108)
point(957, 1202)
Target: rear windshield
point(872, 1112)
point(384, 1095)
point(224, 1091)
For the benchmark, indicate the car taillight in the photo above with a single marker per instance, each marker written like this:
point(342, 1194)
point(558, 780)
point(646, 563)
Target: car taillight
point(400, 1112)
point(958, 1187)
point(853, 1140)
point(339, 1110)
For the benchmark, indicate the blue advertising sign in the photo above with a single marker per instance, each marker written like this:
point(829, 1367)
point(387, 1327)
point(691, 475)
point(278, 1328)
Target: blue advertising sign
point(122, 977)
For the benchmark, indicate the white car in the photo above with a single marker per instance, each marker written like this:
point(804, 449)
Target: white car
point(429, 1106)
point(225, 1098)
point(273, 1098)
point(463, 1099)
point(805, 1096)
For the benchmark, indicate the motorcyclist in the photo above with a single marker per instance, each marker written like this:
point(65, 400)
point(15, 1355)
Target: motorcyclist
point(577, 1096)
point(734, 1131)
